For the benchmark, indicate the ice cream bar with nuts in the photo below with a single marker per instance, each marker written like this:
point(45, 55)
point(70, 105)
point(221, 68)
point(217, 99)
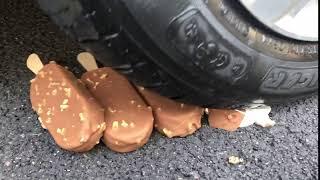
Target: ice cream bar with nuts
point(226, 119)
point(231, 120)
point(128, 119)
point(65, 107)
point(173, 119)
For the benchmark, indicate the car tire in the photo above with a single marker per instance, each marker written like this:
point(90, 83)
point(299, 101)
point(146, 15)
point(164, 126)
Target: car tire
point(211, 53)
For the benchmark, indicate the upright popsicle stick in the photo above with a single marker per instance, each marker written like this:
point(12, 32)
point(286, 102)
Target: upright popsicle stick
point(87, 61)
point(34, 63)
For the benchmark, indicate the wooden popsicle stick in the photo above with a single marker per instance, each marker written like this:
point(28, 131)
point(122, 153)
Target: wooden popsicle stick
point(34, 63)
point(87, 61)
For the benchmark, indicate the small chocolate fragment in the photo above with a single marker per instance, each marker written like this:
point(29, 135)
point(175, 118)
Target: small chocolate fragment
point(69, 112)
point(229, 120)
point(128, 120)
point(173, 119)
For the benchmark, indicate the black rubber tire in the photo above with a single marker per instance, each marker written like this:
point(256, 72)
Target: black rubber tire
point(211, 53)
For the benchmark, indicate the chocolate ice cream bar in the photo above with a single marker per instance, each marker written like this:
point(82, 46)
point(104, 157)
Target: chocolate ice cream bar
point(129, 120)
point(226, 119)
point(70, 113)
point(172, 118)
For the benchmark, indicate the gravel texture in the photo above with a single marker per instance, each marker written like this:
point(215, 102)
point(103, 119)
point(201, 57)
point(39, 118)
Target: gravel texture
point(287, 151)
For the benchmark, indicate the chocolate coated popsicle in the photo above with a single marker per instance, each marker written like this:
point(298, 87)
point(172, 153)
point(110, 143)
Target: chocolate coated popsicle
point(66, 109)
point(128, 119)
point(172, 118)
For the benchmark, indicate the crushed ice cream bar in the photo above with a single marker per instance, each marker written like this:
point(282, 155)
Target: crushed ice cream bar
point(128, 125)
point(57, 104)
point(231, 120)
point(226, 119)
point(172, 118)
point(258, 115)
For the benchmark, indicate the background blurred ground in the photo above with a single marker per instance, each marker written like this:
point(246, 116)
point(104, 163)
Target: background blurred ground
point(287, 151)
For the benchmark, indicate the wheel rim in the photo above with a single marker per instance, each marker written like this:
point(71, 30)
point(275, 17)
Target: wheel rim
point(297, 19)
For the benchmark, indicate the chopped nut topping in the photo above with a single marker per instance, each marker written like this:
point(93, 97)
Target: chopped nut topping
point(116, 142)
point(52, 62)
point(61, 131)
point(48, 120)
point(111, 110)
point(132, 125)
point(50, 79)
point(82, 117)
point(155, 125)
point(159, 109)
point(36, 87)
point(63, 107)
point(124, 123)
point(141, 88)
point(181, 105)
point(39, 110)
point(103, 76)
point(235, 160)
point(190, 127)
point(103, 126)
point(95, 85)
point(50, 72)
point(83, 140)
point(47, 93)
point(54, 92)
point(49, 112)
point(53, 84)
point(68, 92)
point(139, 106)
point(149, 107)
point(231, 116)
point(132, 101)
point(89, 80)
point(32, 80)
point(65, 139)
point(95, 74)
point(65, 101)
point(63, 83)
point(115, 125)
point(97, 142)
point(167, 132)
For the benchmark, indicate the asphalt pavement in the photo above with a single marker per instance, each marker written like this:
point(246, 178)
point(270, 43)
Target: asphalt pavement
point(289, 150)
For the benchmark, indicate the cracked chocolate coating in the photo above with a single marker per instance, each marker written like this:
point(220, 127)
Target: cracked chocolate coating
point(173, 119)
point(128, 119)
